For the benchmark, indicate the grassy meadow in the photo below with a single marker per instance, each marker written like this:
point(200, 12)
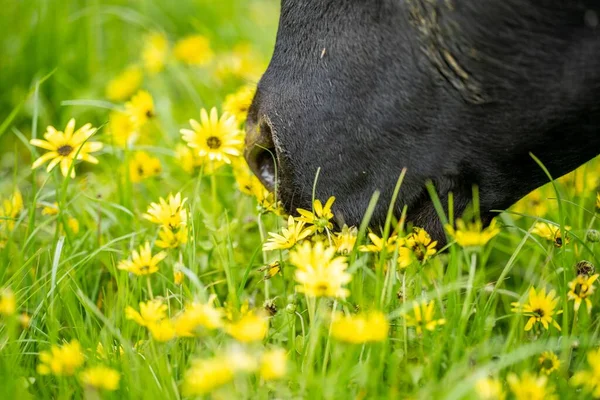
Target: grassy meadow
point(139, 258)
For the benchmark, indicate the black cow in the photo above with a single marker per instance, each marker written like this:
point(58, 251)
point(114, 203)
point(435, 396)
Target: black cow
point(459, 92)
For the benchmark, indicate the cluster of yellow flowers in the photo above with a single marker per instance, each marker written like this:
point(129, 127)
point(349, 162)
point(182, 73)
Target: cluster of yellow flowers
point(67, 359)
point(206, 375)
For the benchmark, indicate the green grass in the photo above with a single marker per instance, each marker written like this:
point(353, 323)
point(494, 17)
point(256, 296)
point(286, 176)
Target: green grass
point(58, 58)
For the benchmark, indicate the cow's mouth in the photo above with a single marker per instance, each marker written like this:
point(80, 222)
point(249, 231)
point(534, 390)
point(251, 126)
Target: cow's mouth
point(260, 152)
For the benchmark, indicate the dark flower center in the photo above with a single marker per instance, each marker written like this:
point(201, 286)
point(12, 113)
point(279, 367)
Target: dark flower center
point(322, 288)
point(144, 268)
point(64, 150)
point(140, 170)
point(213, 142)
point(547, 364)
point(149, 114)
point(539, 312)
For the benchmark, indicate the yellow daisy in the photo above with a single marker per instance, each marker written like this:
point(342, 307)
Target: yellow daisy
point(422, 317)
point(421, 244)
point(150, 312)
point(378, 245)
point(550, 232)
point(361, 328)
point(273, 364)
point(530, 387)
point(345, 240)
point(122, 129)
point(489, 389)
point(581, 288)
point(238, 103)
point(154, 52)
point(140, 108)
point(549, 362)
point(125, 84)
point(320, 217)
point(142, 263)
point(61, 360)
point(318, 272)
point(589, 379)
point(10, 209)
point(539, 308)
point(170, 213)
point(472, 234)
point(66, 147)
point(193, 50)
point(294, 233)
point(143, 166)
point(100, 377)
point(214, 138)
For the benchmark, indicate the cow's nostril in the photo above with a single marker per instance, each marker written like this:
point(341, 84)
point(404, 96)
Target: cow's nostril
point(260, 152)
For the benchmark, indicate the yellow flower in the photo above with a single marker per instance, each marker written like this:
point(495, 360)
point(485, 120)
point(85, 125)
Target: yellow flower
point(25, 320)
point(11, 209)
point(66, 147)
point(61, 360)
point(534, 204)
point(155, 52)
point(319, 217)
point(198, 315)
point(140, 108)
point(73, 225)
point(241, 63)
point(294, 233)
point(178, 277)
point(150, 313)
point(51, 209)
point(251, 327)
point(193, 50)
point(100, 377)
point(206, 375)
point(423, 317)
point(142, 263)
point(185, 158)
point(273, 364)
point(378, 246)
point(319, 273)
point(549, 362)
point(489, 389)
point(170, 213)
point(122, 129)
point(589, 379)
point(597, 202)
point(143, 166)
point(550, 232)
point(8, 302)
point(214, 138)
point(582, 288)
point(125, 84)
point(472, 234)
point(172, 238)
point(238, 103)
point(361, 328)
point(539, 308)
point(162, 331)
point(530, 387)
point(421, 244)
point(345, 240)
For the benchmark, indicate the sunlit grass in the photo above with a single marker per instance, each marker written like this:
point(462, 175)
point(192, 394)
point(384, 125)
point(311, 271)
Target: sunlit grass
point(314, 313)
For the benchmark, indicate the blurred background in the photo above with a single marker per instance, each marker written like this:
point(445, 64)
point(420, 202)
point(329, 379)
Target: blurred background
point(79, 48)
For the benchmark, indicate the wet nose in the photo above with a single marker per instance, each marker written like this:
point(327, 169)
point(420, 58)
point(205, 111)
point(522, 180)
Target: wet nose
point(260, 149)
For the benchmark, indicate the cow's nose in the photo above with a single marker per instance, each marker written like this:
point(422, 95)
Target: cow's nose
point(260, 149)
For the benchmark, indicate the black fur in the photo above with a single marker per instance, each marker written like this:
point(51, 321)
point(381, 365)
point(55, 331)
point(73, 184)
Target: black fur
point(457, 91)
